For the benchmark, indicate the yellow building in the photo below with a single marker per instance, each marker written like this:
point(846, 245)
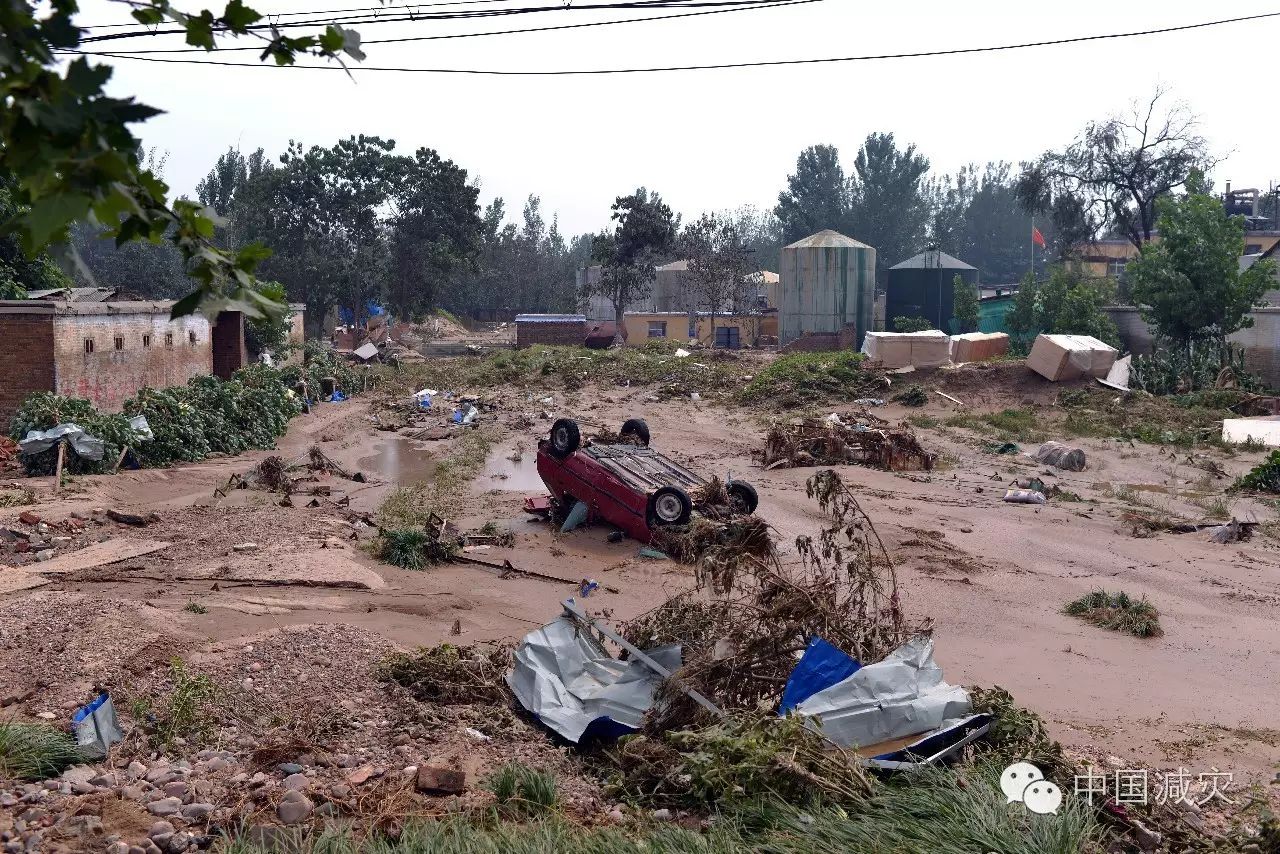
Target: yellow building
point(731, 330)
point(1108, 257)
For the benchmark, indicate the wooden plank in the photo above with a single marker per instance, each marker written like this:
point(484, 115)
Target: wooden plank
point(99, 554)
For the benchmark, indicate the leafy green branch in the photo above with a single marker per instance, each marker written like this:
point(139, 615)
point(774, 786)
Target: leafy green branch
point(72, 157)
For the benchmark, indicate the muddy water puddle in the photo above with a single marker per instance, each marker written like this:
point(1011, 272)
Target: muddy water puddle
point(502, 472)
point(400, 460)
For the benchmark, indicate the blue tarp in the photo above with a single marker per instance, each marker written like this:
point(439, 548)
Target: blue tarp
point(821, 666)
point(371, 309)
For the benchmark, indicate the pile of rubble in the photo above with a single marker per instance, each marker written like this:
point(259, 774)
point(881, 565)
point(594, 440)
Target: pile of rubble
point(867, 441)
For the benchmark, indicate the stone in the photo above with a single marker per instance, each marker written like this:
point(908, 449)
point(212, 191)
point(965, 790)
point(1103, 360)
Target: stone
point(159, 828)
point(617, 816)
point(402, 738)
point(294, 807)
point(328, 810)
point(447, 780)
point(83, 825)
point(289, 768)
point(339, 790)
point(44, 554)
point(136, 769)
point(358, 776)
point(245, 547)
point(197, 812)
point(165, 806)
point(46, 716)
point(345, 760)
point(180, 842)
point(104, 780)
point(26, 517)
point(296, 782)
point(175, 789)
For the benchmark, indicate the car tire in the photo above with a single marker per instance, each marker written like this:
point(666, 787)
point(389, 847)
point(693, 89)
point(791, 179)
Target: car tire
point(669, 505)
point(743, 497)
point(565, 437)
point(635, 427)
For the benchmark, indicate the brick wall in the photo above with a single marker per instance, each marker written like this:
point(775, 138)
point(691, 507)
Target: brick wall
point(109, 376)
point(26, 348)
point(571, 333)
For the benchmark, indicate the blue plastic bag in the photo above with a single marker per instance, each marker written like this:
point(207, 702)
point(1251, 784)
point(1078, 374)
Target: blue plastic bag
point(821, 666)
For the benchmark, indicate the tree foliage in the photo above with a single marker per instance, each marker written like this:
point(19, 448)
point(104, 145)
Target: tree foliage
point(977, 217)
point(1067, 303)
point(887, 204)
point(20, 273)
point(719, 263)
point(72, 155)
point(1110, 178)
point(816, 197)
point(644, 234)
point(966, 306)
point(1188, 284)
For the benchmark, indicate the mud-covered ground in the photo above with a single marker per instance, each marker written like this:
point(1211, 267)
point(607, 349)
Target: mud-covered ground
point(287, 613)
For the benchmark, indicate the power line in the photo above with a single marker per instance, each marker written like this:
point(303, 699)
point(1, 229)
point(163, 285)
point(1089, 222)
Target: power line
point(764, 4)
point(717, 66)
point(276, 15)
point(442, 16)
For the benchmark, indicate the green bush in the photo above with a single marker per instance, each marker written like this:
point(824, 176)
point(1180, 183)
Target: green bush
point(1117, 611)
point(803, 378)
point(902, 323)
point(45, 410)
point(320, 361)
point(1265, 477)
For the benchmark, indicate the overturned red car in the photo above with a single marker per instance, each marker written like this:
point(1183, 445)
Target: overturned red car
point(625, 483)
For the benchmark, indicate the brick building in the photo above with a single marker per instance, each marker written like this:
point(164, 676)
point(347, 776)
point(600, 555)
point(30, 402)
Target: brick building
point(103, 351)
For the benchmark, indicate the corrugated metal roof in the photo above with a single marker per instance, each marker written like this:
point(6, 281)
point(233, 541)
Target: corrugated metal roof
point(933, 259)
point(828, 239)
point(551, 318)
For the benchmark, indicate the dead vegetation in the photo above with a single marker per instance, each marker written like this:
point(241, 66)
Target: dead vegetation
point(831, 441)
point(752, 616)
point(450, 675)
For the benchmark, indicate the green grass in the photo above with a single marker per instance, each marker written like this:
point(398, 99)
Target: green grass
point(797, 379)
point(1012, 425)
point(1117, 611)
point(196, 608)
point(928, 813)
point(35, 751)
point(188, 709)
point(923, 422)
point(404, 547)
point(1217, 507)
point(1265, 477)
point(523, 791)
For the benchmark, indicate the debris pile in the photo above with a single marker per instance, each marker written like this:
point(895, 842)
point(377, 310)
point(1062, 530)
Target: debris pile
point(450, 675)
point(831, 441)
point(741, 642)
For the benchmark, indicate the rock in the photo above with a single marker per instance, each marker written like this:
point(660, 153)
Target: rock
point(345, 760)
point(662, 814)
point(328, 810)
point(216, 764)
point(26, 517)
point(7, 800)
point(1147, 839)
point(165, 806)
point(82, 788)
point(358, 776)
point(180, 842)
point(176, 789)
point(46, 716)
point(289, 768)
point(137, 849)
point(447, 780)
point(136, 769)
point(197, 812)
point(105, 781)
point(160, 828)
point(296, 782)
point(617, 816)
point(294, 807)
point(339, 790)
point(118, 848)
point(245, 547)
point(45, 554)
point(83, 825)
point(402, 738)
point(133, 793)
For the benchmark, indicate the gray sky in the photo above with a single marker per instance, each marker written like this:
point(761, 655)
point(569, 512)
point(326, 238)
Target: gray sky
point(711, 140)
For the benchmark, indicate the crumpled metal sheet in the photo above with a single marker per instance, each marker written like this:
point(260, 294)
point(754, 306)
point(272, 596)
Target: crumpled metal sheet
point(569, 681)
point(86, 446)
point(900, 696)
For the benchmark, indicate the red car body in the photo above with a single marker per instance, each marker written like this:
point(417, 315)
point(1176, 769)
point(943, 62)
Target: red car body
point(617, 482)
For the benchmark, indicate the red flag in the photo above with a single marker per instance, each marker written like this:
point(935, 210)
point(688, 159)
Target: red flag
point(1036, 237)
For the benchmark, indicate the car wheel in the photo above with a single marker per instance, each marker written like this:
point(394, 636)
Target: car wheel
point(565, 437)
point(743, 497)
point(669, 505)
point(636, 427)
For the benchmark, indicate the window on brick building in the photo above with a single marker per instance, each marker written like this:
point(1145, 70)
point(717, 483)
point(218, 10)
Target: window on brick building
point(191, 336)
point(88, 346)
point(146, 341)
point(119, 343)
point(168, 339)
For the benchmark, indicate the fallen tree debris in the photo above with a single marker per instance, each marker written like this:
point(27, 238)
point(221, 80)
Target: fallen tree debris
point(831, 441)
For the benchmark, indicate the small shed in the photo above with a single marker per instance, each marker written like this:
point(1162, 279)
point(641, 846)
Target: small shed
point(568, 330)
point(924, 286)
point(827, 282)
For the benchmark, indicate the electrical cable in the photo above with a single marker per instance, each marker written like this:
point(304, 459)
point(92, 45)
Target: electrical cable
point(442, 16)
point(767, 4)
point(717, 66)
point(366, 9)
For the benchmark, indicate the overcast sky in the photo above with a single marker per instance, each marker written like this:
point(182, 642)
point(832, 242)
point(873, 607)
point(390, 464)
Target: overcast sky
point(711, 140)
